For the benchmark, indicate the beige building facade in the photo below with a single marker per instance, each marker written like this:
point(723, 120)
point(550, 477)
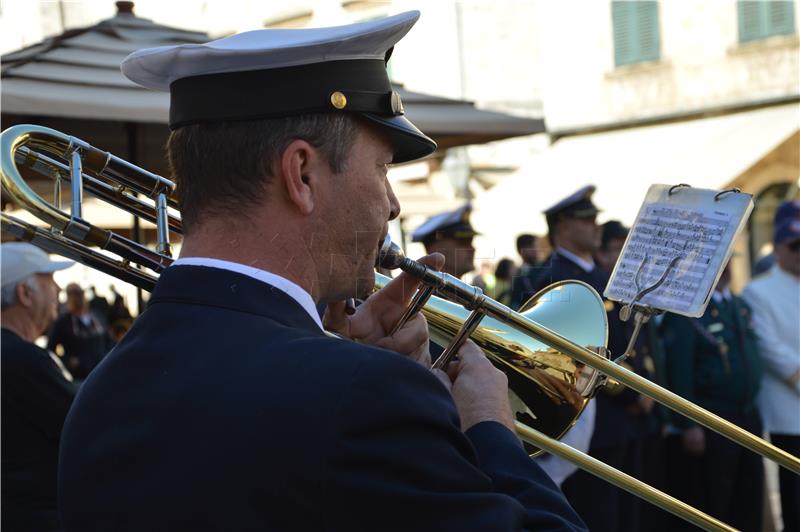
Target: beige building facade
point(701, 64)
point(709, 97)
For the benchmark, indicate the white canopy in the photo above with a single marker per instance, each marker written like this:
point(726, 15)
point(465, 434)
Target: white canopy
point(704, 153)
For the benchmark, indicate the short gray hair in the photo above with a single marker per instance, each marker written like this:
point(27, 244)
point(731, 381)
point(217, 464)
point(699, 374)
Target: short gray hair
point(8, 293)
point(221, 168)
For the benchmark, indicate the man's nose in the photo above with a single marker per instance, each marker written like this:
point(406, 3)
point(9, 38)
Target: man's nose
point(394, 203)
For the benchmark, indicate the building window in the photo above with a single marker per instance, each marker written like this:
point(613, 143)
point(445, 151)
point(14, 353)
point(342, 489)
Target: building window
point(636, 34)
point(759, 19)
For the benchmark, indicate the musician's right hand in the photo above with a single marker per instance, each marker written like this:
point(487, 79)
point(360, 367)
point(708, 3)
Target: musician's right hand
point(480, 391)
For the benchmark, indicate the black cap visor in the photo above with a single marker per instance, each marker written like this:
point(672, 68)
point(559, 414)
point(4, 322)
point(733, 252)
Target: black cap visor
point(409, 142)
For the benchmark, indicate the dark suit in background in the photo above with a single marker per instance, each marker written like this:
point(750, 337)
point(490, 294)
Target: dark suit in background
point(522, 287)
point(227, 408)
point(85, 343)
point(713, 361)
point(36, 397)
point(615, 439)
point(558, 267)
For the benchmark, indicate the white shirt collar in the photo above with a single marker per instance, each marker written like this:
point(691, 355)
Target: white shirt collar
point(719, 297)
point(586, 265)
point(283, 284)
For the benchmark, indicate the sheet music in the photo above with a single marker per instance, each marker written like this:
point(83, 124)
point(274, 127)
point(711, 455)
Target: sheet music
point(662, 234)
point(696, 234)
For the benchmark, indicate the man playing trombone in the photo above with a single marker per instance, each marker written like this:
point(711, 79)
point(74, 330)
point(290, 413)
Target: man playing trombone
point(226, 406)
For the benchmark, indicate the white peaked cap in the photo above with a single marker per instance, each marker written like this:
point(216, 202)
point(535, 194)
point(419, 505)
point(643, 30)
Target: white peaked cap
point(274, 73)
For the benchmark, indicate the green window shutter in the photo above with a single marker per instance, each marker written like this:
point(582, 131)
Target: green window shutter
point(761, 19)
point(636, 32)
point(780, 18)
point(649, 37)
point(621, 16)
point(750, 20)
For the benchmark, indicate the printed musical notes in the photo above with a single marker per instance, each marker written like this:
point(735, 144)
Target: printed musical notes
point(689, 226)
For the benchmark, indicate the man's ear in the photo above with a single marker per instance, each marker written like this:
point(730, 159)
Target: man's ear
point(301, 165)
point(24, 294)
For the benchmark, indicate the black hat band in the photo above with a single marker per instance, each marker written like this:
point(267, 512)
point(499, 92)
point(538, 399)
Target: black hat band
point(359, 85)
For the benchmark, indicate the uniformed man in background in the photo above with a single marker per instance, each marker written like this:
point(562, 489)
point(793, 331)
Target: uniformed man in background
point(620, 411)
point(644, 447)
point(574, 236)
point(528, 270)
point(450, 233)
point(713, 361)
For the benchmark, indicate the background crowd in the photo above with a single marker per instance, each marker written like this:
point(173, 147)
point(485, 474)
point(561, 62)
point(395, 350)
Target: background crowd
point(39, 384)
point(740, 360)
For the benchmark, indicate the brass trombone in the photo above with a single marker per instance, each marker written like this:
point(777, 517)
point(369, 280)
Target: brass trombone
point(554, 352)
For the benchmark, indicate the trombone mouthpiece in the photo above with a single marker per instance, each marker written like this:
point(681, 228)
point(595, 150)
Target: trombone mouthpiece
point(390, 255)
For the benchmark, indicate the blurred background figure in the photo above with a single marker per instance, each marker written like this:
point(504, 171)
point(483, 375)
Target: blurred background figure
point(528, 270)
point(118, 329)
point(763, 264)
point(574, 236)
point(118, 310)
point(504, 274)
point(775, 300)
point(612, 238)
point(643, 449)
point(79, 334)
point(496, 282)
point(450, 233)
point(105, 312)
point(714, 362)
point(621, 421)
point(98, 306)
point(485, 279)
point(37, 390)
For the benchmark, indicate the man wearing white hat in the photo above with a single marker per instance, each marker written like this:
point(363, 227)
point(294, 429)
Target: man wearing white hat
point(36, 389)
point(226, 406)
point(775, 300)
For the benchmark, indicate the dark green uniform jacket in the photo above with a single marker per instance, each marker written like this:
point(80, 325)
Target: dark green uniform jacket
point(713, 360)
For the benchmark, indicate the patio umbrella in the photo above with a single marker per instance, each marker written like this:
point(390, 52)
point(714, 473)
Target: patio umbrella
point(72, 82)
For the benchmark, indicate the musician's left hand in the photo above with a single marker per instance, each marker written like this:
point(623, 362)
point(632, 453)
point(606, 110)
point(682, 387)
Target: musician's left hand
point(376, 317)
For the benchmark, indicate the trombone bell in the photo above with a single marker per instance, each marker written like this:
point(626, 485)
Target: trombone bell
point(548, 389)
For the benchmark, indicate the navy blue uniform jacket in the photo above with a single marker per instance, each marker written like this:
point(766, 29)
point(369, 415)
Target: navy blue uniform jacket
point(226, 408)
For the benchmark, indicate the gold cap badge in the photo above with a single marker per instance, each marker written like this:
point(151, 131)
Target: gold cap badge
point(338, 100)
